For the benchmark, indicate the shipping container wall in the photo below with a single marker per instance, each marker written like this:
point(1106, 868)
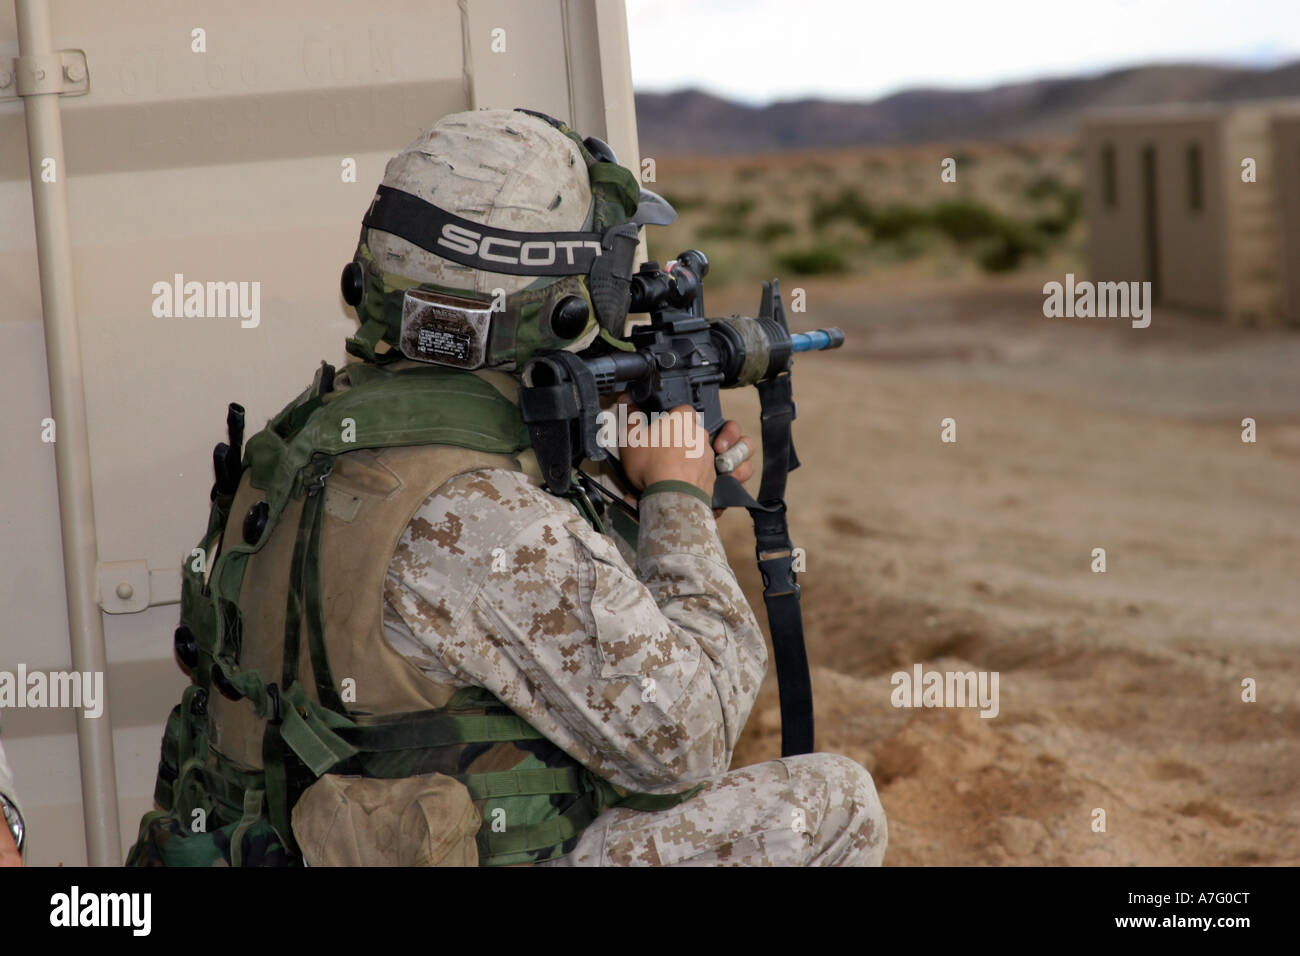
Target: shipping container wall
point(232, 142)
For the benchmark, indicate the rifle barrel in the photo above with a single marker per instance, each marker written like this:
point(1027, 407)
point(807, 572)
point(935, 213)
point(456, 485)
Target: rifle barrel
point(817, 340)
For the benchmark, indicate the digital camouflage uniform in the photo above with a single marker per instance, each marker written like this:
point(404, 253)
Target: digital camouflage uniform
point(644, 673)
point(640, 662)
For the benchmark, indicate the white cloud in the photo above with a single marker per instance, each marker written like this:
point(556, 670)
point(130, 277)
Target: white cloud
point(760, 50)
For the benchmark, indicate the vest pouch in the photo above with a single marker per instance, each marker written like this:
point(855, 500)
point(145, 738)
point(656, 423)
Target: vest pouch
point(427, 820)
point(165, 841)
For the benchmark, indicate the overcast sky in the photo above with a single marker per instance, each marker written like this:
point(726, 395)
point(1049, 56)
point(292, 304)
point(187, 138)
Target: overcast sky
point(763, 50)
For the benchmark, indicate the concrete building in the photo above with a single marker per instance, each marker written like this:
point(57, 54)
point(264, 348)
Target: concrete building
point(1286, 156)
point(1167, 203)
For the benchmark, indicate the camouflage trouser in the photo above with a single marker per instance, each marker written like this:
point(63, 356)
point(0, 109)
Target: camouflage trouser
point(814, 810)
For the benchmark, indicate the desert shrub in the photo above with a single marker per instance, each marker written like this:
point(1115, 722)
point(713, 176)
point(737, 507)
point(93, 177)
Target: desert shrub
point(897, 220)
point(819, 259)
point(1043, 186)
point(848, 205)
point(996, 254)
point(1007, 248)
point(912, 245)
point(1069, 204)
point(724, 229)
point(963, 220)
point(738, 208)
point(684, 204)
point(772, 229)
point(731, 220)
point(1052, 225)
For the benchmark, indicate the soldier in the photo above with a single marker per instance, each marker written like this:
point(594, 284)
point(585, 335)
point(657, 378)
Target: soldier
point(434, 585)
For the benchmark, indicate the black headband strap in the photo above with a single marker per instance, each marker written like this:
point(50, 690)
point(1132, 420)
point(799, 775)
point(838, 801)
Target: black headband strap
point(478, 246)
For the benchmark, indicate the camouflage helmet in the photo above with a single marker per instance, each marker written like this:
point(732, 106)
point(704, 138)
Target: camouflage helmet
point(494, 235)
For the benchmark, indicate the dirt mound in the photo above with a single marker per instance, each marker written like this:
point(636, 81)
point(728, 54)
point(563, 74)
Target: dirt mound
point(1120, 692)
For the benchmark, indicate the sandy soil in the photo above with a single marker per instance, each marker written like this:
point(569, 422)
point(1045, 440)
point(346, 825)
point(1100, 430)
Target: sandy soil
point(1120, 691)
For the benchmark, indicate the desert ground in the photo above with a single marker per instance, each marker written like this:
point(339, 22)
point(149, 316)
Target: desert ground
point(1119, 690)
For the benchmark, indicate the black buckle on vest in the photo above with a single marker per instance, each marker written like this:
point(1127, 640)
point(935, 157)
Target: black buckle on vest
point(273, 693)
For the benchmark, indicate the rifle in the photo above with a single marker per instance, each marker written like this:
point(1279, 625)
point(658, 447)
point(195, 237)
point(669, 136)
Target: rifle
point(683, 358)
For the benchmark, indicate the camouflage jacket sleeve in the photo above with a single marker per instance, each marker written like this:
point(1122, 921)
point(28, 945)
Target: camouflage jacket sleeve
point(646, 675)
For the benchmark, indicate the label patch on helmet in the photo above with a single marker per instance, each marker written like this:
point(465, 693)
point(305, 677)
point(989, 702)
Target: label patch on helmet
point(445, 329)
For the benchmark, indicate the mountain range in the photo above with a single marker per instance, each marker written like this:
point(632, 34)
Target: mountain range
point(695, 122)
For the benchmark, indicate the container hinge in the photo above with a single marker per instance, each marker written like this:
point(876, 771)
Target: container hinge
point(128, 587)
point(64, 73)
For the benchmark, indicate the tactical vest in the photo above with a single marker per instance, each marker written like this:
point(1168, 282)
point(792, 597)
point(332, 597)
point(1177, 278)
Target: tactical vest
point(283, 600)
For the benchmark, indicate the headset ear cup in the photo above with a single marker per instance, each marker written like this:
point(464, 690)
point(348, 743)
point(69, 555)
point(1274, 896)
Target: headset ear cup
point(353, 284)
point(570, 317)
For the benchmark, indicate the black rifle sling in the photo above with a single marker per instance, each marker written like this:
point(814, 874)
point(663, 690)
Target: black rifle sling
point(776, 561)
point(776, 564)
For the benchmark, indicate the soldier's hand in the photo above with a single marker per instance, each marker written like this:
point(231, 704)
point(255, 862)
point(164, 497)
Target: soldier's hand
point(8, 851)
point(685, 459)
point(738, 465)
